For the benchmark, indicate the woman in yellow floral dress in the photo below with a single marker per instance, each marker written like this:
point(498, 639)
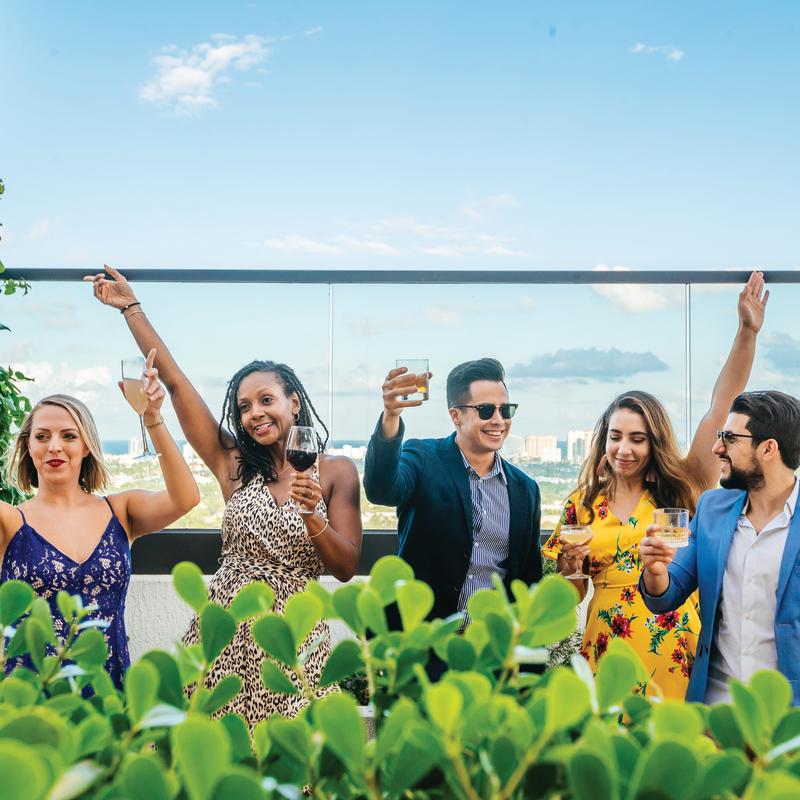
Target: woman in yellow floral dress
point(634, 466)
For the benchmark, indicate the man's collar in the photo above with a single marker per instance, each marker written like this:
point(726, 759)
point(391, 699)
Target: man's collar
point(497, 467)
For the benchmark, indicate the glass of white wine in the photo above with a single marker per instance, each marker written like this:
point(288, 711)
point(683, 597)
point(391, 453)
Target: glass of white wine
point(674, 524)
point(133, 387)
point(420, 368)
point(575, 534)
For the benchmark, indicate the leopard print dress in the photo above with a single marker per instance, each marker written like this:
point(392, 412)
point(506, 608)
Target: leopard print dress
point(263, 541)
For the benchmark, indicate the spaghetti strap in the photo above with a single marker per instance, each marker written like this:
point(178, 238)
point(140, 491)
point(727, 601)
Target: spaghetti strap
point(21, 513)
point(109, 505)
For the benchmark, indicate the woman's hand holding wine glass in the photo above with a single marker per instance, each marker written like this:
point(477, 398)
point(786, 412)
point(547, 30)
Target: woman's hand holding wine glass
point(301, 452)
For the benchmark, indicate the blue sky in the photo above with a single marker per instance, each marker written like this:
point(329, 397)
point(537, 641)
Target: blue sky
point(436, 135)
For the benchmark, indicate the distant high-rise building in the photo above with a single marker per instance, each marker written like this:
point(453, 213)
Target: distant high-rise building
point(513, 446)
point(578, 444)
point(134, 446)
point(539, 446)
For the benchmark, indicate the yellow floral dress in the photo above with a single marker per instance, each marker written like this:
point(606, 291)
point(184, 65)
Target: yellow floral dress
point(666, 643)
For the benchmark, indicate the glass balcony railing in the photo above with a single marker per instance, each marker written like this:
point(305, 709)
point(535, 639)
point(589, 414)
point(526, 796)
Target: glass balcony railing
point(569, 342)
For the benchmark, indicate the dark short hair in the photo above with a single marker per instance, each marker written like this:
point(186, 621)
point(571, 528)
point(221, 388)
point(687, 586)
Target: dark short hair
point(462, 376)
point(773, 415)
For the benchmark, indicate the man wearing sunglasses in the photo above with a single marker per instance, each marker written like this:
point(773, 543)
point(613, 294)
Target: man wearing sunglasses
point(464, 514)
point(743, 553)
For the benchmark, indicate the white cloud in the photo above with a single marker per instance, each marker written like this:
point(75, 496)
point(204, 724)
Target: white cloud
point(50, 378)
point(355, 245)
point(300, 244)
point(500, 250)
point(502, 200)
point(186, 80)
point(313, 31)
point(442, 315)
point(470, 212)
point(637, 298)
point(667, 50)
point(41, 228)
point(443, 250)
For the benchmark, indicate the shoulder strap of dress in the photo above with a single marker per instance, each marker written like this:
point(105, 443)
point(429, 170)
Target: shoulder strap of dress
point(21, 513)
point(110, 506)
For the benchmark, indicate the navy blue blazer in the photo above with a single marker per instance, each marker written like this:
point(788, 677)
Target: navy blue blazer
point(702, 565)
point(427, 481)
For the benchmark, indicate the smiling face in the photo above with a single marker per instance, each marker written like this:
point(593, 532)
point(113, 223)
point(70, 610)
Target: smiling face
point(478, 435)
point(627, 444)
point(265, 411)
point(739, 467)
point(55, 446)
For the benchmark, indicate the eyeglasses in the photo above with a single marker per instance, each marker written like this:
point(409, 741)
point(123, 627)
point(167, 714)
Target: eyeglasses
point(730, 438)
point(486, 410)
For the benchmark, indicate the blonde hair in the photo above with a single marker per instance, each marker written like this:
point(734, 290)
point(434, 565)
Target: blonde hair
point(20, 471)
point(667, 477)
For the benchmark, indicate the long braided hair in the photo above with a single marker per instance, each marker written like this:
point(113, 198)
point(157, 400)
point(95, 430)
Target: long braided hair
point(256, 459)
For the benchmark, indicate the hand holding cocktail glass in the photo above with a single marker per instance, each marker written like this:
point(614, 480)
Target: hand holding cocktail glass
point(574, 540)
point(144, 393)
point(670, 530)
point(405, 388)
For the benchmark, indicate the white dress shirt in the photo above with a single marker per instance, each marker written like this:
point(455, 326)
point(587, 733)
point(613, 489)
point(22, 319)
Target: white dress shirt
point(744, 640)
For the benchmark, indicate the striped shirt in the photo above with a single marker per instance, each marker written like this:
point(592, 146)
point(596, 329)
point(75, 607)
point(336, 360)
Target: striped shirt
point(491, 517)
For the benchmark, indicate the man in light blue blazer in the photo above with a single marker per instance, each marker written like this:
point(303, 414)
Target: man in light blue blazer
point(743, 553)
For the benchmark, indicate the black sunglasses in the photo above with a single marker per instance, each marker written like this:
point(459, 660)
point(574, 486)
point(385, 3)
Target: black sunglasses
point(730, 438)
point(486, 410)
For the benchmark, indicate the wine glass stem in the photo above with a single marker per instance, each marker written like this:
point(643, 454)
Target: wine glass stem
point(144, 435)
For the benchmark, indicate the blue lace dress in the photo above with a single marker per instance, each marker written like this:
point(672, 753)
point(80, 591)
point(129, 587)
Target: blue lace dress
point(102, 580)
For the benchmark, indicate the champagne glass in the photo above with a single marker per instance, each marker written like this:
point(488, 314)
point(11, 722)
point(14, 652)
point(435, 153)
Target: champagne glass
point(674, 524)
point(576, 534)
point(133, 387)
point(301, 453)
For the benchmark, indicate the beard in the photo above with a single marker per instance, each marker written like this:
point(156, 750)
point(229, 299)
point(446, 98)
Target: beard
point(746, 479)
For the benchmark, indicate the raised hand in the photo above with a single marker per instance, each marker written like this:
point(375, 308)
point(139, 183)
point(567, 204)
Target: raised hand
point(115, 292)
point(752, 303)
point(399, 383)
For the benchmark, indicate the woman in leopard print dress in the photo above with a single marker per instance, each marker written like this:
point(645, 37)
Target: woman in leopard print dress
point(263, 537)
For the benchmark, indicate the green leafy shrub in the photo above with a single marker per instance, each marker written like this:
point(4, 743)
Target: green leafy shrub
point(487, 729)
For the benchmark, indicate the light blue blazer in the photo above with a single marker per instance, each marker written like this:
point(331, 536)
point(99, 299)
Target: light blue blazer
point(702, 564)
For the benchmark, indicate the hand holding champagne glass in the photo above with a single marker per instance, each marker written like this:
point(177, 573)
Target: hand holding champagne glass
point(673, 526)
point(301, 452)
point(142, 391)
point(573, 540)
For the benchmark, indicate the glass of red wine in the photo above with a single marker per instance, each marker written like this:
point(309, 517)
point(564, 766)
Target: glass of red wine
point(301, 453)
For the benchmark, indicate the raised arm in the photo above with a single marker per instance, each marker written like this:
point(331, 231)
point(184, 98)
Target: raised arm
point(731, 382)
point(197, 422)
point(146, 512)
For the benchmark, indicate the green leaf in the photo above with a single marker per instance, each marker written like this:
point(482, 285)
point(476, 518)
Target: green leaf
point(239, 736)
point(217, 629)
point(487, 601)
point(274, 636)
point(774, 694)
point(170, 690)
point(551, 616)
point(385, 574)
point(750, 717)
point(253, 600)
point(190, 586)
point(721, 773)
point(417, 754)
point(568, 700)
point(292, 735)
point(461, 654)
point(345, 603)
point(444, 704)
point(666, 769)
point(338, 717)
point(324, 596)
point(35, 641)
point(26, 774)
point(93, 734)
point(724, 727)
point(344, 661)
point(591, 777)
point(302, 612)
point(227, 688)
point(77, 780)
point(15, 600)
point(415, 600)
point(162, 716)
point(89, 650)
point(617, 674)
point(141, 689)
point(17, 692)
point(370, 609)
point(202, 753)
point(673, 719)
point(276, 680)
point(402, 713)
point(500, 635)
point(239, 785)
point(143, 778)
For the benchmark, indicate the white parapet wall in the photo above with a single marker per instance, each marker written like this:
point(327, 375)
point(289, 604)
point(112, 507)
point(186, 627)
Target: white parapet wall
point(156, 617)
